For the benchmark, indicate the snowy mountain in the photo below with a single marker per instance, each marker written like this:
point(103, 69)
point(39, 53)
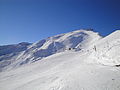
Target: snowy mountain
point(76, 40)
point(78, 60)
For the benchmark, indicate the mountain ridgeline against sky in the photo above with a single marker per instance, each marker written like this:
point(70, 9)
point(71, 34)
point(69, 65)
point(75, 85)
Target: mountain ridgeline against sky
point(103, 50)
point(78, 60)
point(23, 53)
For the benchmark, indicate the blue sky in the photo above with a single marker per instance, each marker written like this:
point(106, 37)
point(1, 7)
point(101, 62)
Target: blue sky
point(32, 20)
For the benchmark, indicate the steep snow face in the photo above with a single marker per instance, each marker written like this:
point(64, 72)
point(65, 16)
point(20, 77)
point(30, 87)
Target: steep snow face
point(7, 49)
point(107, 50)
point(76, 40)
point(9, 52)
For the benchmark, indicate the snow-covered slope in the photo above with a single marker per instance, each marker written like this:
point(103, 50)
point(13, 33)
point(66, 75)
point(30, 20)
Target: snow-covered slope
point(70, 61)
point(8, 53)
point(80, 39)
point(107, 50)
point(62, 71)
point(76, 40)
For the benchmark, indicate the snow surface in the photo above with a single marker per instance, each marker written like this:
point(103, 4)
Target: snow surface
point(8, 53)
point(107, 50)
point(62, 71)
point(89, 65)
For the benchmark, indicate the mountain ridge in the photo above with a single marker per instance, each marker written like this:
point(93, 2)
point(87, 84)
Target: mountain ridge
point(77, 40)
point(92, 64)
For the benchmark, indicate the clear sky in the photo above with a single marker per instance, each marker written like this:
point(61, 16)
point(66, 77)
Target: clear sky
point(32, 20)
